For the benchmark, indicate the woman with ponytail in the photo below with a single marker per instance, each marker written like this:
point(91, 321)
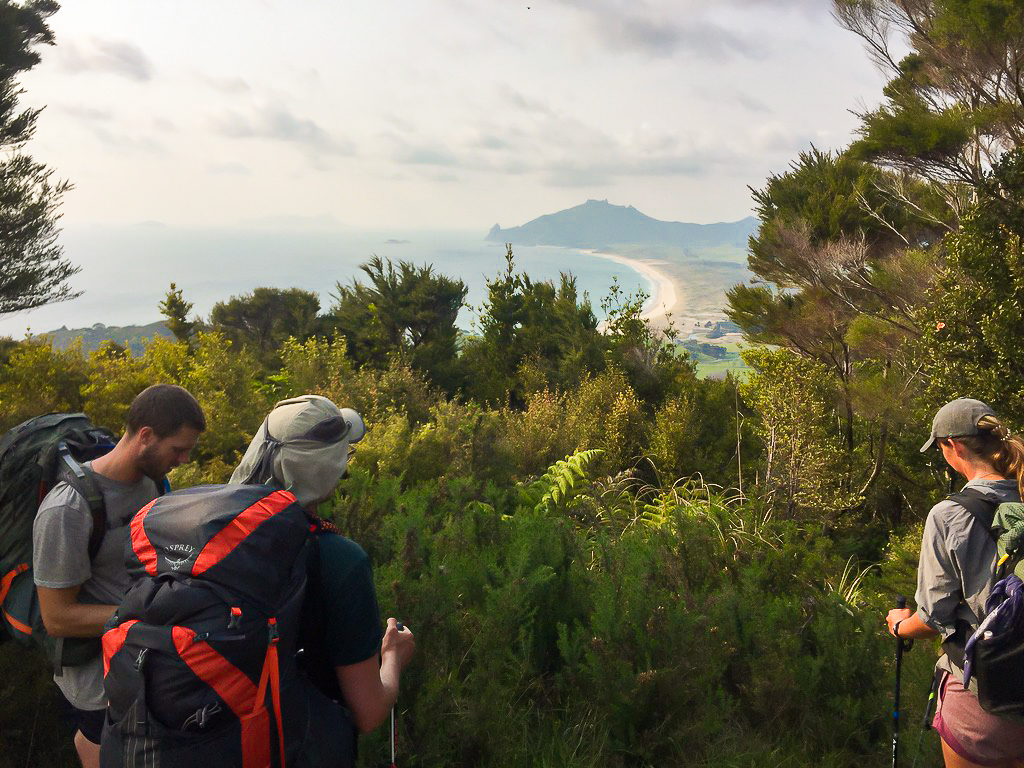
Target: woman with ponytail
point(955, 575)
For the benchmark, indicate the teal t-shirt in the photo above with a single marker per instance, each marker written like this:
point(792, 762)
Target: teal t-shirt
point(343, 620)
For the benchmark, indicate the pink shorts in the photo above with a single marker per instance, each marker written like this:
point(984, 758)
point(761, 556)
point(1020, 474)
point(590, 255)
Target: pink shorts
point(972, 732)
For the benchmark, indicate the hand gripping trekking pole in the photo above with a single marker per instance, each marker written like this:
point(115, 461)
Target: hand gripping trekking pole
point(400, 626)
point(901, 646)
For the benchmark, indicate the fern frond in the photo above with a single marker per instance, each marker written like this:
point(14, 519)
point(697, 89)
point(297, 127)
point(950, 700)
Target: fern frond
point(557, 487)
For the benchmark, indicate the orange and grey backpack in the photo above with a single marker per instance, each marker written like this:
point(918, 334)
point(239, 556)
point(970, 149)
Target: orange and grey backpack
point(200, 658)
point(35, 456)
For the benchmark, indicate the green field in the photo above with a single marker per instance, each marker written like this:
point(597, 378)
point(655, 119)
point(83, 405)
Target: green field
point(708, 365)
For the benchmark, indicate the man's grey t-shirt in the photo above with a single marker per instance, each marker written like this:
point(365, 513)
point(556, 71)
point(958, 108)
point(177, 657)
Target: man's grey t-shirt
point(956, 571)
point(60, 558)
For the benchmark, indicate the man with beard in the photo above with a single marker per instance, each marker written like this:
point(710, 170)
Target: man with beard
point(78, 594)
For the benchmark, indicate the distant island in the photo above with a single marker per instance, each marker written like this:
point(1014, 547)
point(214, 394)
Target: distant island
point(599, 224)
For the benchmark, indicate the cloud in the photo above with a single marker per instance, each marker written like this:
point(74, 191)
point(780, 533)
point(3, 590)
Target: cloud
point(121, 142)
point(228, 85)
point(575, 176)
point(662, 29)
point(108, 57)
point(773, 137)
point(517, 100)
point(521, 135)
point(278, 123)
point(593, 170)
point(736, 97)
point(490, 141)
point(690, 8)
point(229, 169)
point(427, 155)
point(807, 7)
point(533, 137)
point(86, 114)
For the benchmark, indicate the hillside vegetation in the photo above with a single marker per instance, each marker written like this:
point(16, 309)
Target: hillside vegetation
point(601, 560)
point(608, 561)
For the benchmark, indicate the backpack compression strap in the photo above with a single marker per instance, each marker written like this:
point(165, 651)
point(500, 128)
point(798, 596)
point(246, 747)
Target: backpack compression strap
point(271, 676)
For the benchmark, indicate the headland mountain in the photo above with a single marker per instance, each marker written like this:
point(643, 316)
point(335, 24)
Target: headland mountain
point(600, 224)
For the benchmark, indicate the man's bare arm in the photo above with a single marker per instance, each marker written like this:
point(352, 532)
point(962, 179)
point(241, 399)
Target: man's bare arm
point(370, 688)
point(64, 616)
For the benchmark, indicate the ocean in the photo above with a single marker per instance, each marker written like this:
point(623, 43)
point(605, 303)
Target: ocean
point(125, 273)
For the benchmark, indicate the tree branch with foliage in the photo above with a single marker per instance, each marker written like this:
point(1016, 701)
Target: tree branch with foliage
point(33, 271)
point(955, 102)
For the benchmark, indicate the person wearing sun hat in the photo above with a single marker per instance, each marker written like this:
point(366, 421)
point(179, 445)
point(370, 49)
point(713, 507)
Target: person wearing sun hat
point(303, 447)
point(956, 574)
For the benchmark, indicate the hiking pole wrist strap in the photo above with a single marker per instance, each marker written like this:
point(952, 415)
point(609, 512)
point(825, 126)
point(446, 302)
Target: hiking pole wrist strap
point(907, 643)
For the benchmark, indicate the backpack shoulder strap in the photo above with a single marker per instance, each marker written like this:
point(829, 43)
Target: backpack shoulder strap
point(979, 505)
point(83, 480)
point(313, 660)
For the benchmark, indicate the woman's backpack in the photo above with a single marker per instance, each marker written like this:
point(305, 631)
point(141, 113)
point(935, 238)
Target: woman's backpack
point(199, 660)
point(994, 653)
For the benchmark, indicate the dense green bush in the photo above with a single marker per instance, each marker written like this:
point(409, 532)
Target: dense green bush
point(668, 633)
point(574, 603)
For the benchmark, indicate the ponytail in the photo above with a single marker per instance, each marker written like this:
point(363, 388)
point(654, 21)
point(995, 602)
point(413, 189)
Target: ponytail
point(999, 447)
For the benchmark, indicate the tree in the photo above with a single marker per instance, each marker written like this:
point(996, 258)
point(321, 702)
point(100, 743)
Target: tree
point(176, 309)
point(801, 450)
point(656, 369)
point(956, 101)
point(33, 271)
point(409, 313)
point(533, 335)
point(974, 319)
point(265, 318)
point(850, 266)
point(838, 250)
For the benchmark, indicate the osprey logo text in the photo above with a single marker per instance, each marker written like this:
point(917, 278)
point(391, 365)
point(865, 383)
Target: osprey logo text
point(184, 550)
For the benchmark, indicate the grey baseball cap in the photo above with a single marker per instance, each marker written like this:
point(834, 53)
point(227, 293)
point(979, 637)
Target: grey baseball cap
point(958, 418)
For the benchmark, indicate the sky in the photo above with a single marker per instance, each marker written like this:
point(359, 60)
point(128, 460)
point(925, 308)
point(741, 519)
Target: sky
point(434, 114)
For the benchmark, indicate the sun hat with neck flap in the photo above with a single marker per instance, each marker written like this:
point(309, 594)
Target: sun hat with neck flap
point(301, 446)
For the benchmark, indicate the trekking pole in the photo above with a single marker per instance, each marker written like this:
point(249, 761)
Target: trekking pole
point(901, 602)
point(393, 738)
point(929, 709)
point(400, 626)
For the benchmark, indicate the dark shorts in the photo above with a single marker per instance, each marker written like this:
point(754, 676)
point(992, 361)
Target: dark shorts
point(972, 732)
point(88, 721)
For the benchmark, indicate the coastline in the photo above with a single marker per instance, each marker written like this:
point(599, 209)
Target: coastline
point(665, 296)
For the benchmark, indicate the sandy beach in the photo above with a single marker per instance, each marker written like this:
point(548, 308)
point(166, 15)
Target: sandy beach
point(665, 298)
point(691, 292)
